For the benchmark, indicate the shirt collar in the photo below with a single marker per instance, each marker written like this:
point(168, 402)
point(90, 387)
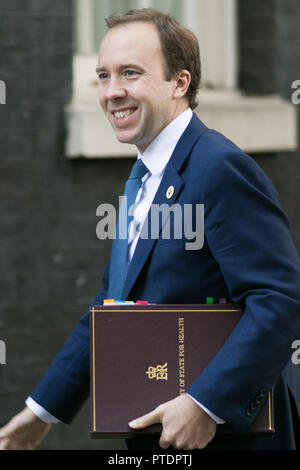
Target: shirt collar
point(159, 152)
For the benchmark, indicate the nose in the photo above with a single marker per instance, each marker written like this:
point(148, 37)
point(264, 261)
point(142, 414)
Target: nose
point(114, 90)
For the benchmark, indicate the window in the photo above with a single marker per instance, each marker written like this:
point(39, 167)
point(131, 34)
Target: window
point(222, 106)
point(213, 22)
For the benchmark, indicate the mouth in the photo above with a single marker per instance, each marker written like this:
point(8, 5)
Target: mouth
point(123, 115)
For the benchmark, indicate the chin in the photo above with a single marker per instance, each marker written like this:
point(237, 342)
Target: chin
point(127, 139)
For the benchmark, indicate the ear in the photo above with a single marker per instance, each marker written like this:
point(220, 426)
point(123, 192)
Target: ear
point(181, 84)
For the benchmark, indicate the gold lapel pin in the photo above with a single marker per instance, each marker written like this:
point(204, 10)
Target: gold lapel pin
point(170, 192)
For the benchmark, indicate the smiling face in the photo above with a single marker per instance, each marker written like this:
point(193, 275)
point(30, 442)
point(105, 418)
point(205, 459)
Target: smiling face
point(133, 92)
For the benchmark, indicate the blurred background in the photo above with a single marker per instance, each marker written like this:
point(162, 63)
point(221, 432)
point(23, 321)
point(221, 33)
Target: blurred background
point(59, 159)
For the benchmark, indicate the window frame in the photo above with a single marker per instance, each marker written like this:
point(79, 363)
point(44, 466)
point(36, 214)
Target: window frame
point(222, 106)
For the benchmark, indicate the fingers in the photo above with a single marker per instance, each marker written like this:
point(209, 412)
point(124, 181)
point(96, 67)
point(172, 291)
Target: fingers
point(4, 444)
point(164, 441)
point(153, 417)
point(177, 442)
point(185, 424)
point(146, 420)
point(23, 432)
point(5, 437)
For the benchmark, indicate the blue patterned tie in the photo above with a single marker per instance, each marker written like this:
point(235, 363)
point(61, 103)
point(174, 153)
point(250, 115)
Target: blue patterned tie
point(118, 259)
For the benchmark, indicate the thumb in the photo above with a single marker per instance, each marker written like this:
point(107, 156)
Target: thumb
point(146, 420)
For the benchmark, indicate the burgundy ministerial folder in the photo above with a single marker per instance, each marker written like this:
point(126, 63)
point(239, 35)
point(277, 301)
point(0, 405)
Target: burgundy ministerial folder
point(145, 355)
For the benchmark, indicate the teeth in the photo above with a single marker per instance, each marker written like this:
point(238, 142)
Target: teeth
point(122, 114)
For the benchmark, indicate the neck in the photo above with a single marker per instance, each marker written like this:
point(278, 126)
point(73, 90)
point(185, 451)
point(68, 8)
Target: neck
point(180, 108)
point(177, 112)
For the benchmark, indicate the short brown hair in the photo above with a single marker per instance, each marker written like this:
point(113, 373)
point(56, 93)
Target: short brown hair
point(179, 45)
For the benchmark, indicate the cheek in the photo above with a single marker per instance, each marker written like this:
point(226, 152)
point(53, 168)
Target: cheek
point(155, 99)
point(156, 102)
point(101, 97)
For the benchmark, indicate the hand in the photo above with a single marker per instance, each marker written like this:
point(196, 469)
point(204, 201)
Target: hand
point(23, 432)
point(185, 424)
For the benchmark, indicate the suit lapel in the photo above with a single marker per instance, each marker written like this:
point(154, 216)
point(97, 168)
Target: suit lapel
point(168, 192)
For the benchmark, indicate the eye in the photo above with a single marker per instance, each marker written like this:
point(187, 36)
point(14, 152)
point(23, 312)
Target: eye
point(102, 76)
point(130, 73)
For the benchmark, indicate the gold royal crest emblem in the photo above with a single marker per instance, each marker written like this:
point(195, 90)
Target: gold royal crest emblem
point(160, 372)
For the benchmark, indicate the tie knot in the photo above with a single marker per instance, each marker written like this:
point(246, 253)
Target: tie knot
point(138, 170)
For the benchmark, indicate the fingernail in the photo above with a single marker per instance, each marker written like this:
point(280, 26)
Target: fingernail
point(133, 423)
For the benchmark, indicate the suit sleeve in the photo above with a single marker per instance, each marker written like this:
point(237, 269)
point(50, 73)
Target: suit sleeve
point(249, 237)
point(66, 384)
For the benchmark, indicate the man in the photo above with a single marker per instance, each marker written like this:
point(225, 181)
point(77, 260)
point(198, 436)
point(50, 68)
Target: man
point(149, 74)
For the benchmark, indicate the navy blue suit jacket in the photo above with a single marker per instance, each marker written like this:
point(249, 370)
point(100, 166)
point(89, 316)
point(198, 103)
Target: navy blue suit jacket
point(248, 257)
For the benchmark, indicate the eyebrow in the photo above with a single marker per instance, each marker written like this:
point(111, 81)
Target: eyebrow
point(100, 68)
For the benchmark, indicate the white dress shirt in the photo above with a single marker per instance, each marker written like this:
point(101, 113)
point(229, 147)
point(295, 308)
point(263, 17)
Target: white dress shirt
point(156, 158)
